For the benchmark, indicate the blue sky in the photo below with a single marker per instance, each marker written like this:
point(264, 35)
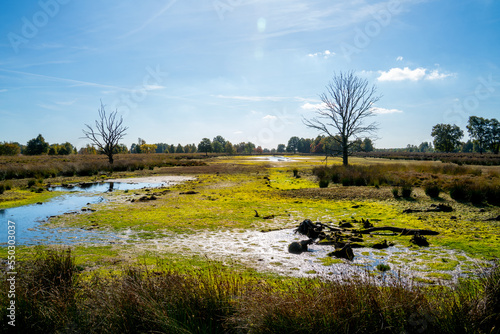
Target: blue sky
point(248, 70)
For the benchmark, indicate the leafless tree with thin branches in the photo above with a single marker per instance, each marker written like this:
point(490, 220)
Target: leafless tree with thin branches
point(348, 102)
point(109, 129)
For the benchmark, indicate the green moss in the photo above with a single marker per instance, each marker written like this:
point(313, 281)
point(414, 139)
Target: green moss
point(443, 276)
point(443, 264)
point(328, 261)
point(16, 197)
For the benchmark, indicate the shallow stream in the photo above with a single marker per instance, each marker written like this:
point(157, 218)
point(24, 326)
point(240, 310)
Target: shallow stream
point(29, 220)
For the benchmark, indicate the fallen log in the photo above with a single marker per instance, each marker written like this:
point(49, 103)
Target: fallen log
point(403, 231)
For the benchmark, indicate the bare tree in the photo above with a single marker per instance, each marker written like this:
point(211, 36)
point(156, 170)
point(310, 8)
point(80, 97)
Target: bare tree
point(109, 130)
point(348, 101)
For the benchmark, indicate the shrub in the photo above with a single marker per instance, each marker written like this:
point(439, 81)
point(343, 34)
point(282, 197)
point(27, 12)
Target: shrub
point(458, 191)
point(432, 190)
point(31, 183)
point(406, 191)
point(323, 183)
point(395, 192)
point(295, 172)
point(2, 189)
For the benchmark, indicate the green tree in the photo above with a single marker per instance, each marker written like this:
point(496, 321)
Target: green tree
point(446, 137)
point(205, 146)
point(367, 145)
point(494, 136)
point(109, 130)
point(425, 147)
point(348, 103)
point(304, 145)
point(121, 149)
point(218, 144)
point(467, 147)
point(293, 144)
point(229, 148)
point(479, 130)
point(37, 146)
point(249, 148)
point(179, 149)
point(281, 148)
point(217, 147)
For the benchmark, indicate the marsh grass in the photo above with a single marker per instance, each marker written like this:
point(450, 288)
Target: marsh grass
point(42, 167)
point(464, 183)
point(54, 295)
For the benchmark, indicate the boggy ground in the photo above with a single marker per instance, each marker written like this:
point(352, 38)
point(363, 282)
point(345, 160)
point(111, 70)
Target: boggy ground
point(215, 215)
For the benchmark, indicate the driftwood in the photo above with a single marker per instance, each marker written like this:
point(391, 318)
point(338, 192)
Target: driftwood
point(344, 252)
point(403, 231)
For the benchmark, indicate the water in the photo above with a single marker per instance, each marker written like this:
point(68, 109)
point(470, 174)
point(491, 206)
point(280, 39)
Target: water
point(29, 219)
point(104, 187)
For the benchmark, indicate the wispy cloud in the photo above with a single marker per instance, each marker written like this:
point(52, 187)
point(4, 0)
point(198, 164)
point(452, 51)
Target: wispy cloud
point(269, 117)
point(436, 75)
point(400, 58)
point(3, 90)
point(401, 74)
point(252, 98)
point(152, 18)
point(381, 111)
point(66, 103)
point(58, 79)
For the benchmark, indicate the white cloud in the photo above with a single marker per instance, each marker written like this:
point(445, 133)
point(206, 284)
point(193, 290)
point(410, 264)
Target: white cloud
point(420, 73)
point(398, 74)
point(380, 111)
point(436, 75)
point(237, 132)
point(311, 106)
point(325, 54)
point(269, 117)
point(400, 58)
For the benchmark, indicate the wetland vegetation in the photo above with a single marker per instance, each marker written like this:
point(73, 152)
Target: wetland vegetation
point(173, 268)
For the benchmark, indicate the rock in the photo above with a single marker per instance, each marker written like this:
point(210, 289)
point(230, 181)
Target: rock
point(344, 253)
point(382, 245)
point(366, 223)
point(345, 225)
point(299, 247)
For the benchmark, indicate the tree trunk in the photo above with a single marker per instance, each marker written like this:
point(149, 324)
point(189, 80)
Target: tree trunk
point(403, 231)
point(345, 152)
point(110, 158)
